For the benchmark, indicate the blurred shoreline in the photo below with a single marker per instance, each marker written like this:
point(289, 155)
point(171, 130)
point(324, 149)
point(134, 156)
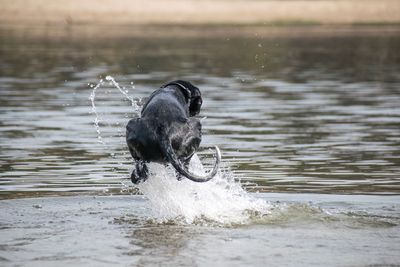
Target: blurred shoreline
point(106, 32)
point(28, 13)
point(105, 19)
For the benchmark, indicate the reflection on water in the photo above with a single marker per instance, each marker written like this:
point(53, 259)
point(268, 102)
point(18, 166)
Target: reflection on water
point(289, 113)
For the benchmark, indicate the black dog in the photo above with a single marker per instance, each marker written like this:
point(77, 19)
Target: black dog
point(167, 131)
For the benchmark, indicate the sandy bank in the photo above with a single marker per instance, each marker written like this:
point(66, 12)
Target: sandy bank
point(129, 12)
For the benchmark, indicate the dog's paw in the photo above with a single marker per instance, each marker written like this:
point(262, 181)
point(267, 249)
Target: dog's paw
point(135, 178)
point(139, 174)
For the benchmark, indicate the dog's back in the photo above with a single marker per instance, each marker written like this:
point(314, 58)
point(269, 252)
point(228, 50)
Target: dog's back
point(167, 131)
point(165, 105)
point(163, 114)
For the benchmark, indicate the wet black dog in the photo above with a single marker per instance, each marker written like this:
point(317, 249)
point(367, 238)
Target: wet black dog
point(168, 132)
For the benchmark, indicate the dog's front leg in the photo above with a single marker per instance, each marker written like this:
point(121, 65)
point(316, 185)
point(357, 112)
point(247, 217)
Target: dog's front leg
point(140, 173)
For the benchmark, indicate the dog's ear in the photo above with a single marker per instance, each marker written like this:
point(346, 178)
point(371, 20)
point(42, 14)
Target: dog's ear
point(192, 95)
point(195, 102)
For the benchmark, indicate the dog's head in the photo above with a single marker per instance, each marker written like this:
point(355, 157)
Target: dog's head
point(192, 95)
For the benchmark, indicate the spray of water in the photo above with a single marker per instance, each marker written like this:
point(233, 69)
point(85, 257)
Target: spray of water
point(94, 110)
point(221, 200)
point(92, 98)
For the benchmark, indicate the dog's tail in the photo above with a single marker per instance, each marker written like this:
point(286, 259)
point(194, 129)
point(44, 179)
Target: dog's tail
point(169, 153)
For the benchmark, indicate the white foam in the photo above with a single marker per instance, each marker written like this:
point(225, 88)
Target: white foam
point(220, 200)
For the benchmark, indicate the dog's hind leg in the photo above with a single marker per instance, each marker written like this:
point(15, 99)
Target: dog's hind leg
point(140, 173)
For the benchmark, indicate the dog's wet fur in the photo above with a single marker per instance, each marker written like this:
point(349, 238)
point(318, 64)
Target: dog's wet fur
point(168, 131)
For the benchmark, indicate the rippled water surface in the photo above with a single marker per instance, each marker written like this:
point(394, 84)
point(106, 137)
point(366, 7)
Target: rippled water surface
point(292, 112)
point(115, 231)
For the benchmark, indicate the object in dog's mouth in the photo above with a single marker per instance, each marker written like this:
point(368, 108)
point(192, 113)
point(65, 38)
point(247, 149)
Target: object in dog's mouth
point(168, 132)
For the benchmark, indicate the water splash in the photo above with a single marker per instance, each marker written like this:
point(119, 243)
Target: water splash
point(222, 200)
point(94, 111)
point(134, 104)
point(110, 80)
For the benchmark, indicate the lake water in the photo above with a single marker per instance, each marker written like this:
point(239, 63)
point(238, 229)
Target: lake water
point(307, 120)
